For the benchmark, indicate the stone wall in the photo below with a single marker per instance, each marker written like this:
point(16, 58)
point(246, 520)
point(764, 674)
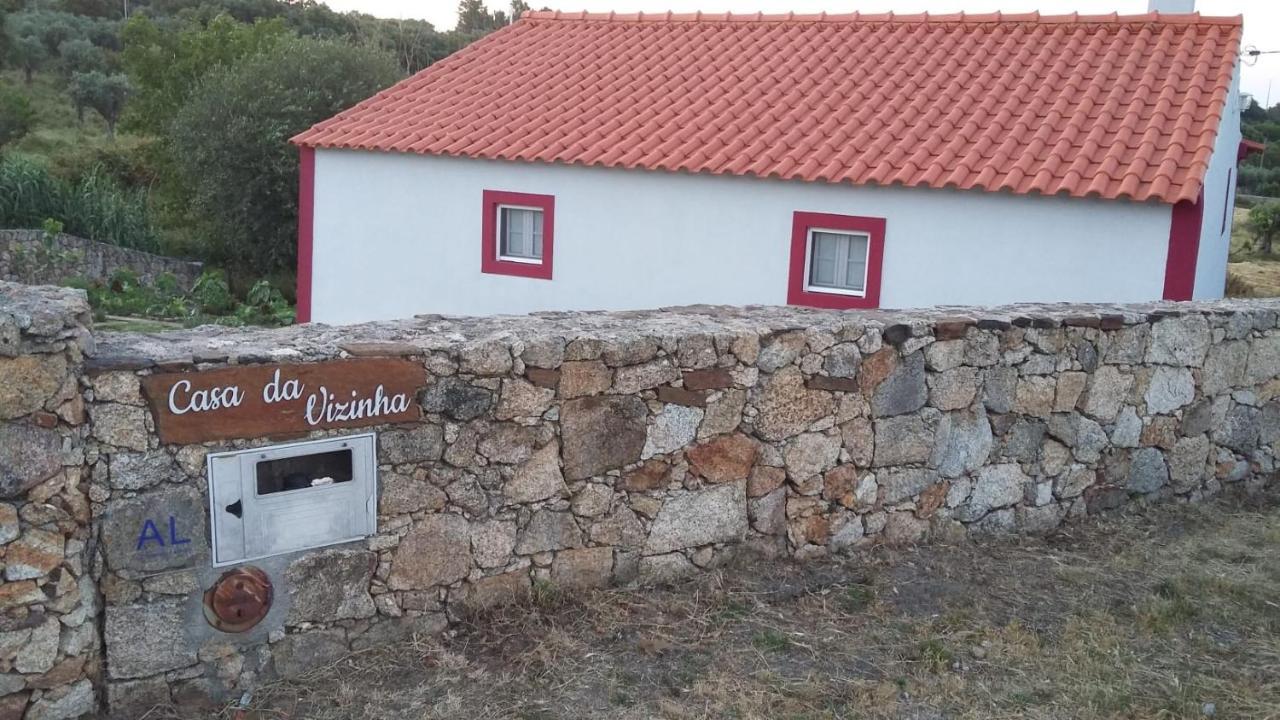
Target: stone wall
point(585, 449)
point(25, 258)
point(49, 645)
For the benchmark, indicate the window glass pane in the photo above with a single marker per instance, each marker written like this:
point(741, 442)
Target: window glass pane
point(822, 263)
point(856, 266)
point(521, 233)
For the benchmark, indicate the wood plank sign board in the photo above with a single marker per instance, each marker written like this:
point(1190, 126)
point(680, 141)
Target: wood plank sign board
point(281, 400)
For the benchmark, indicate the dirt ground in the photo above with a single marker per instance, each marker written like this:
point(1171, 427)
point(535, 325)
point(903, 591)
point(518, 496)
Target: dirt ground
point(1172, 612)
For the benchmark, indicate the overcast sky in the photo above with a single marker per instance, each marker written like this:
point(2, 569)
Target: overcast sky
point(1261, 17)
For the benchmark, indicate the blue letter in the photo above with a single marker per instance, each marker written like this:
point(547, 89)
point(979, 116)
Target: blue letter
point(173, 533)
point(149, 532)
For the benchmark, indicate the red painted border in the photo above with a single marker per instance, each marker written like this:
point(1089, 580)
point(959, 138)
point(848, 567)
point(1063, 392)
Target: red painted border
point(489, 262)
point(306, 228)
point(1247, 148)
point(1184, 248)
point(800, 225)
point(1226, 199)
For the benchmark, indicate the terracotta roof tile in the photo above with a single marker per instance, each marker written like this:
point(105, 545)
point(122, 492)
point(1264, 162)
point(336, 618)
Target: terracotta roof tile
point(1105, 105)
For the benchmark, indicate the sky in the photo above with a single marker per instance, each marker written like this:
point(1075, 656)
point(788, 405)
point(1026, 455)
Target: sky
point(1260, 77)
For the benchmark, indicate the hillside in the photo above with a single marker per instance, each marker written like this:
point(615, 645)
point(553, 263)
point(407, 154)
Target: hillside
point(167, 130)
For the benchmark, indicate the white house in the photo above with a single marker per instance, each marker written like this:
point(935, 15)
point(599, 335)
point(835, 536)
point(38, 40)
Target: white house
point(607, 161)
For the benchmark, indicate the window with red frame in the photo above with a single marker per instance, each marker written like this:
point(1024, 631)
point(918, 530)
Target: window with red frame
point(518, 237)
point(835, 261)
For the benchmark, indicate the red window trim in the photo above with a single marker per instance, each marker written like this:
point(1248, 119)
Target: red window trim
point(801, 224)
point(490, 263)
point(306, 228)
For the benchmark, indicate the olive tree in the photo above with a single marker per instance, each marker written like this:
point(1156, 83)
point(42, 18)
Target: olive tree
point(80, 55)
point(28, 53)
point(104, 94)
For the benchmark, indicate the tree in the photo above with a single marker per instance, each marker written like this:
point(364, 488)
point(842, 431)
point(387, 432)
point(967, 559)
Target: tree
point(16, 115)
point(1252, 111)
point(415, 43)
point(29, 54)
point(473, 17)
point(1264, 223)
point(165, 66)
point(518, 7)
point(239, 175)
point(104, 94)
point(80, 55)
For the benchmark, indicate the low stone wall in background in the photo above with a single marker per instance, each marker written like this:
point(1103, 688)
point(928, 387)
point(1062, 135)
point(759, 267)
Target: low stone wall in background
point(587, 449)
point(25, 258)
point(49, 646)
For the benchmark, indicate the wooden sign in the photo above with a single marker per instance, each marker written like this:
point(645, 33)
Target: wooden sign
point(279, 400)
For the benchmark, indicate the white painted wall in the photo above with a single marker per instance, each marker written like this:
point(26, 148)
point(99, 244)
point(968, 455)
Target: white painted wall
point(399, 234)
point(1219, 195)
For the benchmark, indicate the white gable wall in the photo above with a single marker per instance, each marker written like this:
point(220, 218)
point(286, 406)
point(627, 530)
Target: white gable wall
point(1219, 197)
point(399, 234)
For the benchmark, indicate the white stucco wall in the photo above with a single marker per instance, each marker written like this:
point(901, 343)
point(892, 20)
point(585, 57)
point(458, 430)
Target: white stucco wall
point(398, 234)
point(1219, 194)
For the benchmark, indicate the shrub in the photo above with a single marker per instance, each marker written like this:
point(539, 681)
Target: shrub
point(16, 115)
point(1264, 224)
point(95, 207)
point(237, 169)
point(210, 300)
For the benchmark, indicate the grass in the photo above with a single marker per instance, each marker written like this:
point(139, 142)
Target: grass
point(1249, 273)
point(1151, 615)
point(57, 134)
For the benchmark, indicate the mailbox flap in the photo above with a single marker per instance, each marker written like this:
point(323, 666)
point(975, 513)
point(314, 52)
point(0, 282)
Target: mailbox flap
point(296, 496)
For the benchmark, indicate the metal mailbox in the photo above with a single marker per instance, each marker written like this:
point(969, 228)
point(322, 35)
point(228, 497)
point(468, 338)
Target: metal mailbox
point(277, 499)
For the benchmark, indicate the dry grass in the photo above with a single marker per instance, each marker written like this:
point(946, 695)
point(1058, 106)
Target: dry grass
point(1250, 274)
point(1143, 616)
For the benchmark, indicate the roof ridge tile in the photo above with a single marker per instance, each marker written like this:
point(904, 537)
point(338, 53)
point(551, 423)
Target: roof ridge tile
point(1113, 18)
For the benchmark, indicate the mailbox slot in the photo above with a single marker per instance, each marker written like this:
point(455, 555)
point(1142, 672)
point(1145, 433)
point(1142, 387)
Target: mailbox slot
point(277, 499)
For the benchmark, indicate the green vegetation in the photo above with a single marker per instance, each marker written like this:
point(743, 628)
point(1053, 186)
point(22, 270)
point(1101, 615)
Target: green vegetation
point(104, 94)
point(209, 302)
point(1260, 174)
point(94, 206)
point(1264, 224)
point(236, 167)
point(204, 95)
point(16, 115)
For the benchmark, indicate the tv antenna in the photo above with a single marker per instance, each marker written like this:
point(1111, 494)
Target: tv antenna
point(1252, 53)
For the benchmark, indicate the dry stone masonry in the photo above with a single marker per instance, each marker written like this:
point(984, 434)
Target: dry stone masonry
point(585, 449)
point(49, 644)
point(25, 258)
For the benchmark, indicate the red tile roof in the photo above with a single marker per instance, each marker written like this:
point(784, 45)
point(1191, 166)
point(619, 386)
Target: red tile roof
point(1105, 106)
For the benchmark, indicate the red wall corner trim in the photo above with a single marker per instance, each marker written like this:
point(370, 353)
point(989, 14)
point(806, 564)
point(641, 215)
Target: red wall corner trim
point(1184, 248)
point(1248, 147)
point(306, 228)
point(801, 223)
point(490, 262)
